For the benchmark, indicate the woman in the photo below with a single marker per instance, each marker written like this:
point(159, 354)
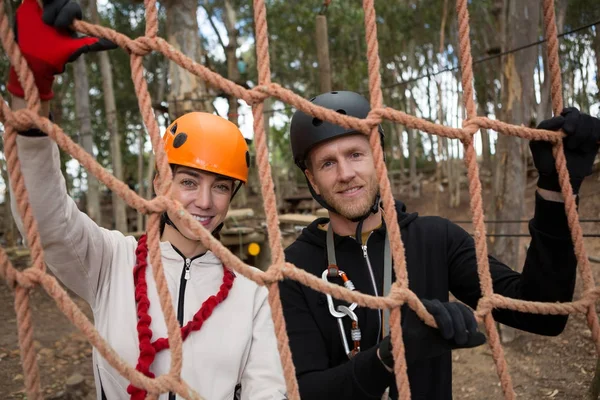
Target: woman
point(227, 327)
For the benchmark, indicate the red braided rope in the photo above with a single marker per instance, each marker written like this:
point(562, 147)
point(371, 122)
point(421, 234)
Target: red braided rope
point(148, 349)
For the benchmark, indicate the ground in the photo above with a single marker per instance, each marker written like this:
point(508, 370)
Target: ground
point(554, 368)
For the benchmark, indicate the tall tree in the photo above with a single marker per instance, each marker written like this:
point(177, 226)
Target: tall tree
point(521, 24)
point(415, 186)
point(82, 110)
point(188, 92)
point(110, 109)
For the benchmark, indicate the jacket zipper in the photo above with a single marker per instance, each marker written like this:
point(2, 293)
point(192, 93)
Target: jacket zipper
point(366, 256)
point(185, 276)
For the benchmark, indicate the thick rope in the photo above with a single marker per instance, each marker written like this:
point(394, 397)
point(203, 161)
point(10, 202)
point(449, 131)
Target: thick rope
point(390, 216)
point(270, 201)
point(25, 280)
point(26, 346)
point(563, 173)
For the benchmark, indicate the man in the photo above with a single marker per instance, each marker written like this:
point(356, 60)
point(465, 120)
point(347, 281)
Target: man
point(229, 345)
point(338, 164)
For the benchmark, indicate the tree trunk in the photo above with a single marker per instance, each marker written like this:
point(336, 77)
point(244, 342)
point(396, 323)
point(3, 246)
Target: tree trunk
point(441, 146)
point(149, 179)
point(522, 21)
point(118, 205)
point(596, 48)
point(396, 176)
point(188, 92)
point(232, 70)
point(323, 54)
point(275, 170)
point(412, 156)
point(82, 110)
point(10, 229)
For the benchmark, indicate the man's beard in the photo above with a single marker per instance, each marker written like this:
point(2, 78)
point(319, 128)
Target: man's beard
point(352, 209)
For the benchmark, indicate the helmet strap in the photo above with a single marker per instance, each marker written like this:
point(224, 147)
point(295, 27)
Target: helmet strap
point(239, 185)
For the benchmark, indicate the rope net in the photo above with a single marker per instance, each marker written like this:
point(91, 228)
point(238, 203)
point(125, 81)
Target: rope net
point(24, 281)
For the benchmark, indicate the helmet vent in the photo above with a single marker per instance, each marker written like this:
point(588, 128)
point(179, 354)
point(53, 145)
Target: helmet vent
point(174, 129)
point(341, 111)
point(334, 92)
point(247, 159)
point(179, 140)
point(317, 122)
point(313, 99)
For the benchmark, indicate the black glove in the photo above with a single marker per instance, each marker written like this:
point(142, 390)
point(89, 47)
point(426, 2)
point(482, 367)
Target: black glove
point(580, 147)
point(457, 329)
point(47, 44)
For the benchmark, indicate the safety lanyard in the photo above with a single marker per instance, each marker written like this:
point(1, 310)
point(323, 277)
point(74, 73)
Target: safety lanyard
point(342, 311)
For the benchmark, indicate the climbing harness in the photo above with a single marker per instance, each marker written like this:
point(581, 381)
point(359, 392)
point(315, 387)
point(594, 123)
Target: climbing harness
point(342, 311)
point(149, 349)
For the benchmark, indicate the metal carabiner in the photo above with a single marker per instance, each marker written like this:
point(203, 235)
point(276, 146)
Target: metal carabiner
point(330, 304)
point(355, 333)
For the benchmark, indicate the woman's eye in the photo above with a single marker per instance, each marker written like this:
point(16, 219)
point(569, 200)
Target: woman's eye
point(223, 187)
point(187, 183)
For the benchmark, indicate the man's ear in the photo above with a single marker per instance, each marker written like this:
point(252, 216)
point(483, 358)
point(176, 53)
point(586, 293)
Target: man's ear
point(311, 180)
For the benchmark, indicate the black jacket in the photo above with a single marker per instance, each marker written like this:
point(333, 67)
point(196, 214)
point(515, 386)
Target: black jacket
point(440, 259)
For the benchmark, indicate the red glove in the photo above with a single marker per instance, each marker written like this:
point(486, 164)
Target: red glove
point(48, 44)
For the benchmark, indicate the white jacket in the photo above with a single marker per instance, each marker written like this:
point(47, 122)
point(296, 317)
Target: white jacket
point(235, 345)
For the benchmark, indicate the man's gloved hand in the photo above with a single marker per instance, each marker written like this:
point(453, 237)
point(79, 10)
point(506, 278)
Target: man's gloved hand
point(456, 323)
point(457, 328)
point(580, 147)
point(48, 44)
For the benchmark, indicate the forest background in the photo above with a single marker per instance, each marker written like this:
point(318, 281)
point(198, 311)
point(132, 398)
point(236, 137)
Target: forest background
point(418, 41)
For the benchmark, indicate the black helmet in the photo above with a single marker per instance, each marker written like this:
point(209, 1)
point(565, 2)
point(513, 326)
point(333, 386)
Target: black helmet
point(307, 131)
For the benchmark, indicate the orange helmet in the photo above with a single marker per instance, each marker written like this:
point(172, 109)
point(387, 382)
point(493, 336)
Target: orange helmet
point(208, 142)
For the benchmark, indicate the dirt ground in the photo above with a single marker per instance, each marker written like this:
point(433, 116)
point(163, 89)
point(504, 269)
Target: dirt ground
point(541, 368)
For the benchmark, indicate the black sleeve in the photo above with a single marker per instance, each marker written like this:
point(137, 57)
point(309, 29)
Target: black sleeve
point(548, 274)
point(362, 377)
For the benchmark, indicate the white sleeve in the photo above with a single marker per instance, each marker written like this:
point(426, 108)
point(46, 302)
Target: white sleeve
point(76, 250)
point(262, 378)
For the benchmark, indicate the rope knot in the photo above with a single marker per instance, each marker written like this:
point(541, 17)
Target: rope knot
point(24, 119)
point(28, 278)
point(470, 127)
point(375, 117)
point(258, 94)
point(275, 273)
point(592, 294)
point(398, 295)
point(141, 45)
point(484, 306)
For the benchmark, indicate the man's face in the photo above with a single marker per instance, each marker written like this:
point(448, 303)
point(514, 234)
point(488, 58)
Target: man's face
point(342, 171)
point(206, 196)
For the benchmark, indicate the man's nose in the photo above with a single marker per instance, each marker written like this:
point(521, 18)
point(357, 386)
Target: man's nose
point(345, 171)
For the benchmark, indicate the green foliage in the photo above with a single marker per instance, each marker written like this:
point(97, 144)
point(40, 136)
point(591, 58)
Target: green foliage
point(409, 48)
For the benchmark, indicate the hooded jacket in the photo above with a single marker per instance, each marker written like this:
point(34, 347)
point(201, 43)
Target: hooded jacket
point(440, 258)
point(236, 345)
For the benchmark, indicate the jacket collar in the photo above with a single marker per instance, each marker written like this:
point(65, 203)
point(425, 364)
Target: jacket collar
point(169, 252)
